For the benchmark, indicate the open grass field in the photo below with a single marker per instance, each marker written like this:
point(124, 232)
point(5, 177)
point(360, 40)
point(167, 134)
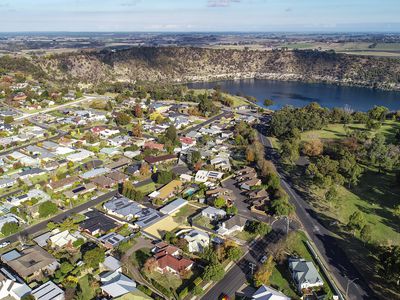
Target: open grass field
point(147, 188)
point(87, 291)
point(237, 100)
point(375, 196)
point(338, 131)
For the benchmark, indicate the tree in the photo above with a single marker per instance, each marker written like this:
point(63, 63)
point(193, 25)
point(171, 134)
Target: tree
point(144, 169)
point(377, 151)
point(137, 130)
point(8, 119)
point(234, 253)
point(313, 147)
point(258, 228)
point(332, 194)
point(264, 273)
point(378, 113)
point(350, 169)
point(214, 272)
point(92, 258)
point(194, 157)
point(122, 119)
point(250, 156)
point(171, 135)
point(163, 177)
point(219, 202)
point(268, 102)
point(66, 267)
point(356, 221)
point(47, 208)
point(10, 228)
point(324, 172)
point(366, 233)
point(138, 112)
point(290, 150)
point(389, 263)
point(232, 210)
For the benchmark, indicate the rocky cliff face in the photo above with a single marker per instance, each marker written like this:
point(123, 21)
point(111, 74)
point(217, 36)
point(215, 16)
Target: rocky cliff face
point(184, 64)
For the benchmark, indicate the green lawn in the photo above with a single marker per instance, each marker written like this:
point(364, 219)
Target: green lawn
point(203, 221)
point(169, 281)
point(148, 188)
point(245, 236)
point(182, 215)
point(337, 131)
point(88, 292)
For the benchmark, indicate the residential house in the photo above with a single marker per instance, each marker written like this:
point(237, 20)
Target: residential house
point(304, 274)
point(7, 182)
point(197, 240)
point(110, 151)
point(111, 240)
point(115, 284)
point(187, 142)
point(120, 163)
point(153, 146)
point(173, 206)
point(167, 191)
point(117, 176)
point(122, 207)
point(103, 182)
point(94, 173)
point(245, 170)
point(232, 225)
point(97, 223)
point(62, 184)
point(204, 176)
point(155, 160)
point(80, 190)
point(31, 263)
point(213, 213)
point(48, 291)
point(64, 239)
point(249, 184)
point(31, 173)
point(11, 286)
point(267, 293)
point(82, 154)
point(169, 260)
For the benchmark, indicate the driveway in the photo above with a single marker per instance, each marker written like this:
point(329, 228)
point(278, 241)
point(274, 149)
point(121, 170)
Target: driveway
point(243, 207)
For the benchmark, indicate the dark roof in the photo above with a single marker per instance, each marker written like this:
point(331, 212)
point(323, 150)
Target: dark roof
point(97, 221)
point(235, 220)
point(156, 159)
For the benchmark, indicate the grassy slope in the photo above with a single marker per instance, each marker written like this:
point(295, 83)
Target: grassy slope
point(375, 195)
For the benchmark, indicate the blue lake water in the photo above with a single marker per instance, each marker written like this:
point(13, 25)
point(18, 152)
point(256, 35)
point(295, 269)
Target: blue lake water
point(299, 94)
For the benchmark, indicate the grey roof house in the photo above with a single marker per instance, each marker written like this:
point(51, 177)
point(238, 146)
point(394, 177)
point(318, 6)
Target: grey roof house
point(304, 274)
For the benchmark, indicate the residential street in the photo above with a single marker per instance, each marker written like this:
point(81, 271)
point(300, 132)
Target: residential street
point(336, 260)
point(242, 271)
point(58, 218)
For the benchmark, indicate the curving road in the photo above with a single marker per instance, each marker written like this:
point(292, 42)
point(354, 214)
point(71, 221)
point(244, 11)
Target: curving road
point(336, 260)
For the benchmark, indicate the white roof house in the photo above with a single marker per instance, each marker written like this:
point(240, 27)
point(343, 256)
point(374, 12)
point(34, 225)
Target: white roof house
point(268, 293)
point(48, 291)
point(213, 213)
point(173, 206)
point(203, 176)
point(79, 156)
point(117, 284)
point(12, 286)
point(197, 240)
point(64, 238)
point(111, 263)
point(304, 274)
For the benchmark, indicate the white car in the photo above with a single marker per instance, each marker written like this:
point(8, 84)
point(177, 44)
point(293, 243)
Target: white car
point(263, 259)
point(4, 244)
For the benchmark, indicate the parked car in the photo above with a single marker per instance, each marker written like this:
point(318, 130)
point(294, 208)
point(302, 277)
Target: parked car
point(263, 259)
point(4, 244)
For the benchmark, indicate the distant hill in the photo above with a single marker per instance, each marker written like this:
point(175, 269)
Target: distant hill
point(184, 64)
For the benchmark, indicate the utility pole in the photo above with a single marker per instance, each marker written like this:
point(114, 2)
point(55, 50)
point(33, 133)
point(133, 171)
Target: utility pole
point(348, 284)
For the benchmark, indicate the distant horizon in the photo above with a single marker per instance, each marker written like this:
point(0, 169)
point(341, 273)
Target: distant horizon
point(200, 16)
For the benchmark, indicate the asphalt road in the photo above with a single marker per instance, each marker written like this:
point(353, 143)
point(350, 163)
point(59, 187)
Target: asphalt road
point(336, 260)
point(205, 123)
point(242, 270)
point(32, 230)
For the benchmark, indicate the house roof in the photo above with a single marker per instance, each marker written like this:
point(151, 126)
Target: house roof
point(123, 161)
point(267, 293)
point(31, 260)
point(103, 181)
point(304, 271)
point(123, 206)
point(62, 182)
point(117, 176)
point(97, 221)
point(156, 159)
point(235, 221)
point(173, 206)
point(119, 285)
point(177, 264)
point(48, 291)
point(169, 188)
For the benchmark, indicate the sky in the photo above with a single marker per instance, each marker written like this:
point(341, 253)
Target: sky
point(200, 15)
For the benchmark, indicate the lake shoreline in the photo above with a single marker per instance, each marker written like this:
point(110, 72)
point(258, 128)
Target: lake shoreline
point(299, 94)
